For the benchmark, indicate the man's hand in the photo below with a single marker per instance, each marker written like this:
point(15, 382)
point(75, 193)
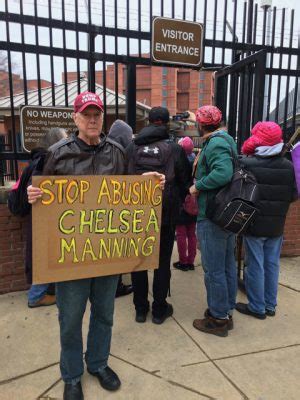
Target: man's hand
point(193, 190)
point(161, 177)
point(33, 194)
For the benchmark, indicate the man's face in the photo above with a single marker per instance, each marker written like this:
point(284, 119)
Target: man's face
point(89, 122)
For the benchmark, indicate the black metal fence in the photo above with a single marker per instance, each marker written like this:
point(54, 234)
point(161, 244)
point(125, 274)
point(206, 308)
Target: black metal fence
point(42, 38)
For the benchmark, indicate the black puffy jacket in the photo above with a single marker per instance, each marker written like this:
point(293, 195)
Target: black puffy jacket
point(276, 183)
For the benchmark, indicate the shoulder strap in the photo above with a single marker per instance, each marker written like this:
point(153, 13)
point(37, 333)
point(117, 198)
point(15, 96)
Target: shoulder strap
point(234, 157)
point(114, 143)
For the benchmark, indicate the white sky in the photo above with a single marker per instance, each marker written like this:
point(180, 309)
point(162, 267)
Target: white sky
point(28, 8)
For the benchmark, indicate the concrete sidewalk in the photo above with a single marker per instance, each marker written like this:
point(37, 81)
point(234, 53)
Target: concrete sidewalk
point(258, 360)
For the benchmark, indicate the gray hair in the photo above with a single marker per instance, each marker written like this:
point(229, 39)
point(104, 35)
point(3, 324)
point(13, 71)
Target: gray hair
point(52, 136)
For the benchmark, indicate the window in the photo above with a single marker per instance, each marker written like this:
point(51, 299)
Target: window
point(183, 80)
point(164, 103)
point(164, 93)
point(165, 71)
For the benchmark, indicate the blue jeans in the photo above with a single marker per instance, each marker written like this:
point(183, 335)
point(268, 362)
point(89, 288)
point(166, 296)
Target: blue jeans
point(37, 292)
point(218, 262)
point(262, 272)
point(71, 298)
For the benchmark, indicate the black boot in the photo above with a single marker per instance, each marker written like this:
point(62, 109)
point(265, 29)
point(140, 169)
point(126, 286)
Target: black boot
point(73, 392)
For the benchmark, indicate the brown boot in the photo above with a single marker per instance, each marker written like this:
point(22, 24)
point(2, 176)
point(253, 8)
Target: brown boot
point(218, 327)
point(47, 300)
point(230, 320)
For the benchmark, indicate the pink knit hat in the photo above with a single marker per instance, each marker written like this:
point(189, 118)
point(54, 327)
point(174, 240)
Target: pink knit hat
point(187, 144)
point(265, 133)
point(209, 115)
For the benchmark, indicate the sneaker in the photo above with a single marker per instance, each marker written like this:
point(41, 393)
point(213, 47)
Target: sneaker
point(191, 267)
point(214, 326)
point(243, 308)
point(270, 313)
point(230, 320)
point(168, 313)
point(141, 316)
point(73, 392)
point(47, 300)
point(182, 267)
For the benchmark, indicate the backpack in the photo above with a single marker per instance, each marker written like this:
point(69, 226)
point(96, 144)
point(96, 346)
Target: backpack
point(157, 157)
point(17, 199)
point(234, 206)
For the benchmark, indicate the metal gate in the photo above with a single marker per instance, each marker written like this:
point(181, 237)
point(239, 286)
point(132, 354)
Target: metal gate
point(99, 36)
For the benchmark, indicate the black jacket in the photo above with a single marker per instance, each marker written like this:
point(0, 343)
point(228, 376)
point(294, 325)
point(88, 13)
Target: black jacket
point(276, 183)
point(174, 197)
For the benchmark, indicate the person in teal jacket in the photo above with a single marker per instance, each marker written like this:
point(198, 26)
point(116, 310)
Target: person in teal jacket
point(215, 170)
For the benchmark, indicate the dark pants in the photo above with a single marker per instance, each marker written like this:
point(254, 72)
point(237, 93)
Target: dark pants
point(162, 276)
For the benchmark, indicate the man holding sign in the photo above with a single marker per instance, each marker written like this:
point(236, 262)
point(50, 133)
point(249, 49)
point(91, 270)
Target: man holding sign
point(85, 153)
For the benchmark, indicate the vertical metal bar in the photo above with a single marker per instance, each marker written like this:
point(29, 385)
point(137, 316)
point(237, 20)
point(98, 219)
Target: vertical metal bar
point(244, 24)
point(264, 26)
point(184, 9)
point(271, 64)
point(11, 95)
point(233, 57)
point(250, 22)
point(127, 23)
point(280, 66)
point(116, 63)
point(259, 87)
point(255, 23)
point(139, 26)
point(287, 90)
point(23, 56)
point(241, 110)
point(38, 70)
point(51, 55)
point(195, 10)
point(162, 8)
point(131, 96)
point(296, 103)
point(214, 31)
point(104, 63)
point(220, 91)
point(204, 28)
point(173, 8)
point(233, 96)
point(77, 49)
point(64, 54)
point(224, 31)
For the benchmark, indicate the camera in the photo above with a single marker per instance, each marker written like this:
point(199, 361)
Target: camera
point(181, 116)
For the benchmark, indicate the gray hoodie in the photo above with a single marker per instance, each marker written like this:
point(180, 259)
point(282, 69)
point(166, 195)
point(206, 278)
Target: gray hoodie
point(121, 133)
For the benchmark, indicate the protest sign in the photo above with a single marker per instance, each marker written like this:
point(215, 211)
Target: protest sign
point(88, 226)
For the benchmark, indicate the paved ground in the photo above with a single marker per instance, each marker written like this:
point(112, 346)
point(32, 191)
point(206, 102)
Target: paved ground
point(258, 360)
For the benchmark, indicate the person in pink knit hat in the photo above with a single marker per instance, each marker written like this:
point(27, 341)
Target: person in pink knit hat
point(186, 223)
point(263, 240)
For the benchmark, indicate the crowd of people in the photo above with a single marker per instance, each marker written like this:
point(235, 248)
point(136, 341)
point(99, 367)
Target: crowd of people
point(183, 176)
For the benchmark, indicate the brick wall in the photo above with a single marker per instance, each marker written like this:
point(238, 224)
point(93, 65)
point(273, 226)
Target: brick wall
point(13, 236)
point(12, 251)
point(291, 243)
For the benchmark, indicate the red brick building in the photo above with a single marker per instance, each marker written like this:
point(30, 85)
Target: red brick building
point(175, 88)
point(18, 84)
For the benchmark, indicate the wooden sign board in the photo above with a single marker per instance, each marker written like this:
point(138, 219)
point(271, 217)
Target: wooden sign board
point(88, 226)
point(177, 42)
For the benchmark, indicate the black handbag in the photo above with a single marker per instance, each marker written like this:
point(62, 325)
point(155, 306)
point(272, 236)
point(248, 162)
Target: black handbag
point(234, 206)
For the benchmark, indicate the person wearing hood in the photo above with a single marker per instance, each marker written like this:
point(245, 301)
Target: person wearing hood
point(121, 133)
point(153, 144)
point(263, 240)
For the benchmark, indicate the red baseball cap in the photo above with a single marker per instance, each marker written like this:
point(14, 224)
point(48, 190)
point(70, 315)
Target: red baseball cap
point(85, 99)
